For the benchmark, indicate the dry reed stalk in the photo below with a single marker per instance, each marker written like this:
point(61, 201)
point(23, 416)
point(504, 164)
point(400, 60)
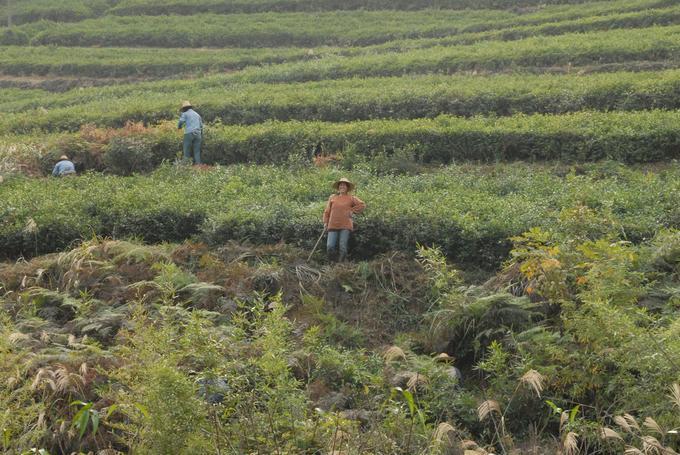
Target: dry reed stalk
point(608, 433)
point(486, 408)
point(41, 420)
point(417, 380)
point(17, 337)
point(394, 353)
point(631, 421)
point(570, 444)
point(441, 433)
point(675, 394)
point(651, 425)
point(652, 446)
point(533, 379)
point(623, 423)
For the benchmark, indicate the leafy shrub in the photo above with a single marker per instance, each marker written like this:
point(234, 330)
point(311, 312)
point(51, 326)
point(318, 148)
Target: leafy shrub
point(399, 146)
point(134, 7)
point(14, 37)
point(478, 208)
point(63, 11)
point(125, 155)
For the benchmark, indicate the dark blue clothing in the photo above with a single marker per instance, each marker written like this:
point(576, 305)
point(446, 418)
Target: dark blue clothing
point(63, 167)
point(332, 242)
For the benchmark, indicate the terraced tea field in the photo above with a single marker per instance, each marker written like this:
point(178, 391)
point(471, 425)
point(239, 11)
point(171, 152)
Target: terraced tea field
point(519, 161)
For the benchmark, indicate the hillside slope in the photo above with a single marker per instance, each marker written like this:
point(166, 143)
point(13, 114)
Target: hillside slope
point(513, 285)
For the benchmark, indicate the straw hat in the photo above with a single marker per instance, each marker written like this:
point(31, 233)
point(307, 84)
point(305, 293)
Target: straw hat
point(186, 105)
point(63, 157)
point(350, 185)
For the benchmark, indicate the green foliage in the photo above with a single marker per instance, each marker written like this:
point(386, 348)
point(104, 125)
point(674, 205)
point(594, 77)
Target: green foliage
point(155, 7)
point(167, 349)
point(434, 57)
point(54, 10)
point(466, 52)
point(399, 146)
point(478, 207)
point(294, 29)
point(191, 380)
point(257, 30)
point(126, 155)
point(341, 100)
point(84, 416)
point(74, 10)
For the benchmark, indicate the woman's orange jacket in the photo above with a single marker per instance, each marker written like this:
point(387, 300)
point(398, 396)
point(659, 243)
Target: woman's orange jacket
point(340, 209)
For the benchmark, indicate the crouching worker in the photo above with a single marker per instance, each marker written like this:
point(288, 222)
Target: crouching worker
point(64, 167)
point(193, 131)
point(337, 218)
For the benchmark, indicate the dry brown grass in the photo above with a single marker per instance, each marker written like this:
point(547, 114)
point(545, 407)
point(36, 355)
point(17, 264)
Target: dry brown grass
point(101, 136)
point(394, 353)
point(608, 433)
point(339, 438)
point(485, 409)
point(442, 434)
point(417, 381)
point(468, 444)
point(17, 337)
point(60, 380)
point(675, 394)
point(533, 379)
point(652, 426)
point(623, 423)
point(652, 446)
point(564, 418)
point(570, 444)
point(631, 421)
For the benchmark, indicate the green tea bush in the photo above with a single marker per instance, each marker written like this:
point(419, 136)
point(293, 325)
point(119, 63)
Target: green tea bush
point(136, 62)
point(59, 11)
point(584, 136)
point(293, 29)
point(14, 37)
point(478, 208)
point(259, 29)
point(408, 97)
point(145, 7)
point(624, 48)
point(399, 146)
point(125, 155)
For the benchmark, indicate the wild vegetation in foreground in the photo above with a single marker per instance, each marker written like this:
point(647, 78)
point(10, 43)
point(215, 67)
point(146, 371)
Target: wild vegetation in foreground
point(572, 347)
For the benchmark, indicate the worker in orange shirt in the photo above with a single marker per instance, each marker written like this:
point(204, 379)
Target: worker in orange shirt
point(337, 217)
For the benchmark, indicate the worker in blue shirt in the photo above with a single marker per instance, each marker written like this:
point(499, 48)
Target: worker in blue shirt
point(193, 131)
point(63, 167)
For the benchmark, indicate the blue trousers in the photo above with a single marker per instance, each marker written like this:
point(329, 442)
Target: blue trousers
point(332, 242)
point(192, 142)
